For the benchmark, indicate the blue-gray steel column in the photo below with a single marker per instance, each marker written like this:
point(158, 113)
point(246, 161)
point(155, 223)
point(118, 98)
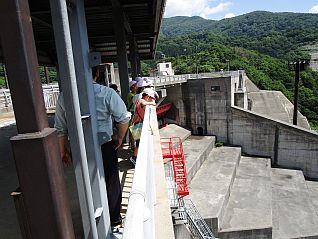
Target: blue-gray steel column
point(35, 148)
point(73, 115)
point(122, 59)
point(87, 104)
point(138, 66)
point(133, 56)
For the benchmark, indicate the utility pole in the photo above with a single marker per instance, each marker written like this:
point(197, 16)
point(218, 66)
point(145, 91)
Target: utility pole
point(228, 65)
point(298, 66)
point(296, 89)
point(196, 60)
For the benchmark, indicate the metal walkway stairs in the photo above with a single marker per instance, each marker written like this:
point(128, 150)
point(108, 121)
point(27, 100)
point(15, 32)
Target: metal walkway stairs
point(183, 210)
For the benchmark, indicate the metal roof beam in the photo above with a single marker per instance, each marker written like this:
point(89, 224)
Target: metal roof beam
point(116, 4)
point(42, 22)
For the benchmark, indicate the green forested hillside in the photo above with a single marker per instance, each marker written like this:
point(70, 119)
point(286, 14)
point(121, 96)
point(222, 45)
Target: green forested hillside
point(282, 35)
point(261, 43)
point(253, 24)
point(266, 72)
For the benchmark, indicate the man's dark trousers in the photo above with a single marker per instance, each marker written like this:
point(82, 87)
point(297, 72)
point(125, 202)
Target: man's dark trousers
point(113, 186)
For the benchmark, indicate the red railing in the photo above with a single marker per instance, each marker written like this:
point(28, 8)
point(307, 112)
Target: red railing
point(161, 110)
point(172, 150)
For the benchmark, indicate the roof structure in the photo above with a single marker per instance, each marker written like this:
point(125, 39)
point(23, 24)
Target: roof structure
point(142, 20)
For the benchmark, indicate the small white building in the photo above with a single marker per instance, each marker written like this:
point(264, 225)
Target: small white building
point(165, 69)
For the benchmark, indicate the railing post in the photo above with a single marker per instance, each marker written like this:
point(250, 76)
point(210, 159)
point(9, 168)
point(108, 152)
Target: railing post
point(6, 103)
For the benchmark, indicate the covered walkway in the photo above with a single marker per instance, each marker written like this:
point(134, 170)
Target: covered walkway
point(74, 36)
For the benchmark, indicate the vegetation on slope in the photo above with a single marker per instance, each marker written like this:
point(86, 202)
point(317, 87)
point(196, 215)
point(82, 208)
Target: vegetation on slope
point(265, 71)
point(261, 43)
point(51, 70)
point(254, 24)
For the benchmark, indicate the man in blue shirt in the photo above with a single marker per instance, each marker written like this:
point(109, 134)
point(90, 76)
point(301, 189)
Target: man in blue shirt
point(109, 107)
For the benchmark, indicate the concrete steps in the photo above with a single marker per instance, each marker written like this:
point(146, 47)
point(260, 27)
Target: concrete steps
point(294, 214)
point(249, 211)
point(173, 130)
point(197, 150)
point(243, 197)
point(211, 187)
point(313, 193)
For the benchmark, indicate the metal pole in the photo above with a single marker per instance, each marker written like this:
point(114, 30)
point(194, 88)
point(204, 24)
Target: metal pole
point(63, 44)
point(46, 72)
point(196, 60)
point(118, 18)
point(35, 148)
point(87, 104)
point(138, 66)
point(133, 57)
point(297, 76)
point(228, 65)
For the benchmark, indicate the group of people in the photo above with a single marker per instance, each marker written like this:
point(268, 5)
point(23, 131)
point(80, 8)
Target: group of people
point(141, 94)
point(111, 113)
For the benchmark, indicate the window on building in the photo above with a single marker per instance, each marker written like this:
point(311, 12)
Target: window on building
point(167, 65)
point(215, 88)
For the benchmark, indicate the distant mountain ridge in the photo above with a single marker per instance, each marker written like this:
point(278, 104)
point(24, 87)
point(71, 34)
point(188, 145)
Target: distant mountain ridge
point(252, 24)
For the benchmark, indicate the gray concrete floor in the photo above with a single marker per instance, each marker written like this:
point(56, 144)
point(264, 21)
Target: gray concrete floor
point(9, 227)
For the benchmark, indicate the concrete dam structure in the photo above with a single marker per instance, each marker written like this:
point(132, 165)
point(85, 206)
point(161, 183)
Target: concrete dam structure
point(262, 184)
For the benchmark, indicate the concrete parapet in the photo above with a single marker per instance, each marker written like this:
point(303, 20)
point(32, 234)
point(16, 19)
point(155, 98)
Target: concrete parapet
point(289, 146)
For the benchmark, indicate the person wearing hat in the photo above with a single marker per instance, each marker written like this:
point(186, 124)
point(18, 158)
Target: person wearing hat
point(131, 94)
point(131, 108)
point(140, 87)
point(148, 97)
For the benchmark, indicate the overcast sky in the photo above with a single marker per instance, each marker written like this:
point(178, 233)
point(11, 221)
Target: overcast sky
point(219, 9)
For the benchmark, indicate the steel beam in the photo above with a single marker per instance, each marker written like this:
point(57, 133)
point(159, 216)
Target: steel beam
point(87, 104)
point(119, 26)
point(35, 148)
point(133, 48)
point(73, 115)
point(17, 40)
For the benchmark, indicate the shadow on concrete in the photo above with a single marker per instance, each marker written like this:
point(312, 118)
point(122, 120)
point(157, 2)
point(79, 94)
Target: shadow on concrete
point(9, 227)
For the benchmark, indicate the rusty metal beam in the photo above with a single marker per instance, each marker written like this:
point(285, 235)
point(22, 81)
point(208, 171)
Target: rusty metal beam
point(25, 84)
point(35, 148)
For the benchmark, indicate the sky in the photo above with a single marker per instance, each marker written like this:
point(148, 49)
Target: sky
point(219, 9)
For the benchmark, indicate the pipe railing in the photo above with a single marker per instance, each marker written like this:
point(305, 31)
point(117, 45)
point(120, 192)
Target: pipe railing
point(139, 222)
point(50, 94)
point(51, 91)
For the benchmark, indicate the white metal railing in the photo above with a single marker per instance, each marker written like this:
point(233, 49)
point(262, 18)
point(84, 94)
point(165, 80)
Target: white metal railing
point(139, 222)
point(50, 95)
point(51, 91)
point(176, 79)
point(5, 99)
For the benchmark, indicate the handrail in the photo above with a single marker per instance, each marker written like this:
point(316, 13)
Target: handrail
point(50, 95)
point(139, 221)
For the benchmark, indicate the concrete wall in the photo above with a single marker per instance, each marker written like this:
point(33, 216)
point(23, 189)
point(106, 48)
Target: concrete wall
point(175, 95)
point(288, 146)
point(208, 103)
point(181, 232)
point(203, 103)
